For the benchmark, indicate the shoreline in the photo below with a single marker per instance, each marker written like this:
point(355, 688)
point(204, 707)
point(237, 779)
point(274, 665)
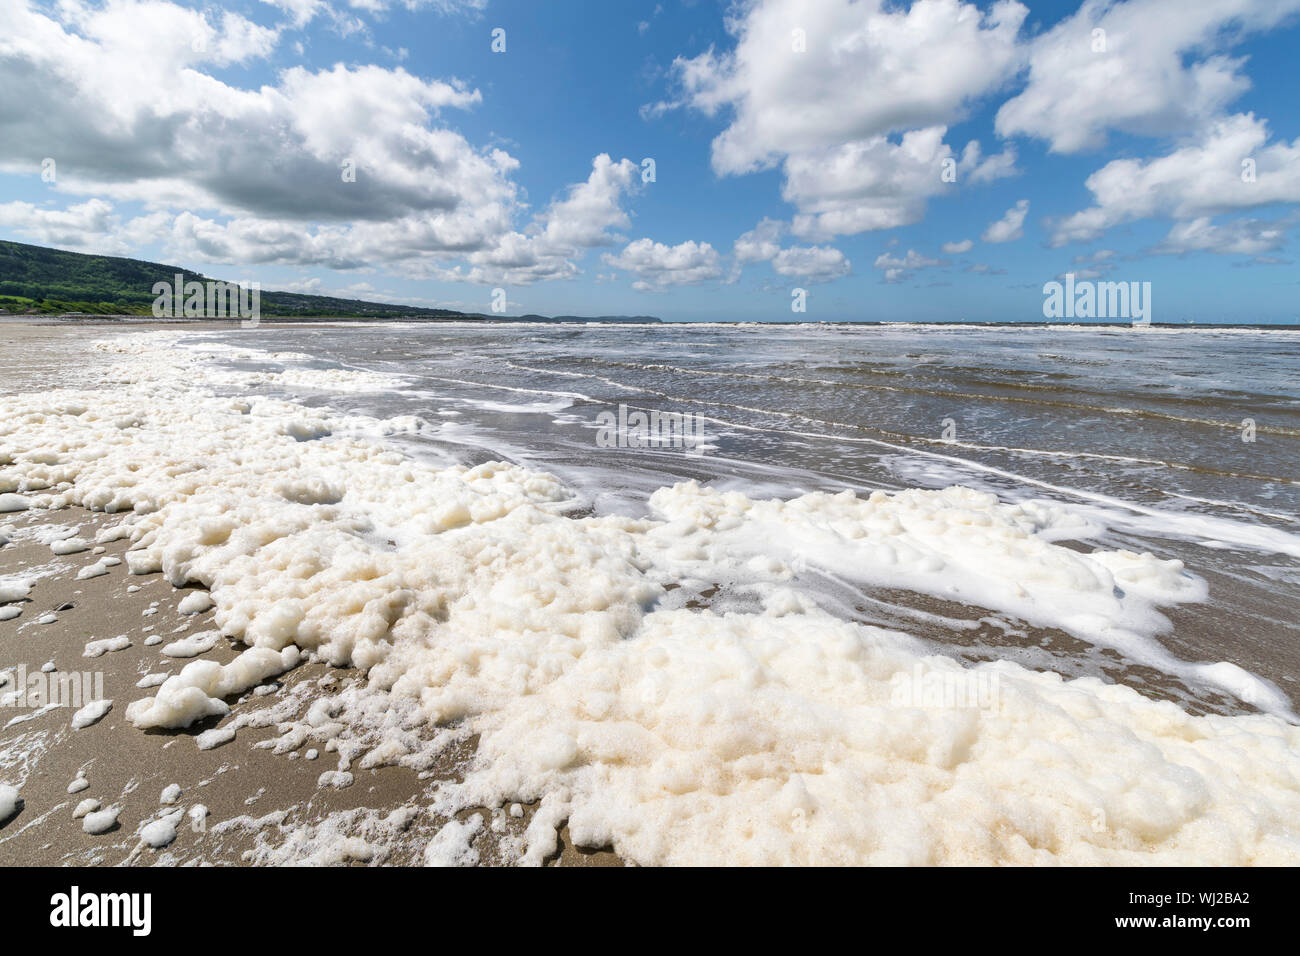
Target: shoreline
point(282, 320)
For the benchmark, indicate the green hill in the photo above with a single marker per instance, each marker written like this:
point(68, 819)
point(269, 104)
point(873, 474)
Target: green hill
point(35, 279)
point(41, 280)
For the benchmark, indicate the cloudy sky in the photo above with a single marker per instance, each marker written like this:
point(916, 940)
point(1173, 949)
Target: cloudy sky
point(683, 158)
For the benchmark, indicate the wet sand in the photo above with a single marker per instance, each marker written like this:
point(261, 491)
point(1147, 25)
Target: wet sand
point(33, 350)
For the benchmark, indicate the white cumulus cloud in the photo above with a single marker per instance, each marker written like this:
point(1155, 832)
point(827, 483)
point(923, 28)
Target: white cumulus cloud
point(1229, 168)
point(1155, 69)
point(1010, 226)
point(659, 266)
point(856, 115)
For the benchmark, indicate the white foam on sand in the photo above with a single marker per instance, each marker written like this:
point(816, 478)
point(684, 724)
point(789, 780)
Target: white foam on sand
point(161, 832)
point(14, 590)
point(8, 801)
point(451, 845)
point(100, 821)
point(774, 733)
point(106, 645)
point(92, 713)
point(198, 690)
point(195, 603)
point(193, 645)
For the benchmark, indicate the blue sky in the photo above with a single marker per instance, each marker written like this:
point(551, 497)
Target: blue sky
point(522, 169)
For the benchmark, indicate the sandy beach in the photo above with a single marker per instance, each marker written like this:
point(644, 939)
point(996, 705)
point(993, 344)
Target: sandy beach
point(333, 632)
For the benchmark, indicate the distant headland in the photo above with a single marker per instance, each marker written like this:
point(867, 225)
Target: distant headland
point(37, 280)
